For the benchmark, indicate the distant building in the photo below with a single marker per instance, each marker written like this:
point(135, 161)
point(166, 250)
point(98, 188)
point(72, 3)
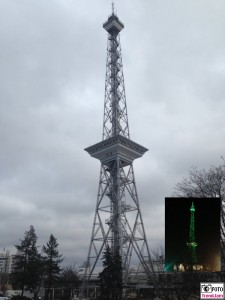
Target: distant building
point(4, 262)
point(7, 262)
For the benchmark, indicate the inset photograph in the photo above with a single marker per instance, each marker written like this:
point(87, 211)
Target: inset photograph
point(192, 234)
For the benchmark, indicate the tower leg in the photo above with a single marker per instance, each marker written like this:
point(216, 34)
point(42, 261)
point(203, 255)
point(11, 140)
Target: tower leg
point(117, 222)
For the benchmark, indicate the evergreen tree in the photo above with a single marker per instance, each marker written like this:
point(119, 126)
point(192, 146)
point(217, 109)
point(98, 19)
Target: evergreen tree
point(105, 277)
point(29, 265)
point(111, 281)
point(52, 260)
point(117, 276)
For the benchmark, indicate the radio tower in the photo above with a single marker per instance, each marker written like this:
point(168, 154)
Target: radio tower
point(192, 244)
point(118, 221)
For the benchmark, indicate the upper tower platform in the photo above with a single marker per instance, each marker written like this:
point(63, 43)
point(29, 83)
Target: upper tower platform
point(192, 207)
point(113, 25)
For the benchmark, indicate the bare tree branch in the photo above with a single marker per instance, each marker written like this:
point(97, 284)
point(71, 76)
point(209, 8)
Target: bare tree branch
point(204, 184)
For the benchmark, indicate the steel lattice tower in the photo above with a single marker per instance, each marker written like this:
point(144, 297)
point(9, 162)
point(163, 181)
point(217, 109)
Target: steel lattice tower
point(118, 220)
point(192, 243)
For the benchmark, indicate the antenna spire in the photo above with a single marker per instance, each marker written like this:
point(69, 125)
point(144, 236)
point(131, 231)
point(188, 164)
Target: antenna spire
point(113, 7)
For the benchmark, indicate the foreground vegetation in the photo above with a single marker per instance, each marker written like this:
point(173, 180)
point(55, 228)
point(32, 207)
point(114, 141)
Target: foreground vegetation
point(37, 267)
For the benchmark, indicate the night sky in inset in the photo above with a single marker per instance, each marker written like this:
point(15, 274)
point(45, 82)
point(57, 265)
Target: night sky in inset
point(207, 230)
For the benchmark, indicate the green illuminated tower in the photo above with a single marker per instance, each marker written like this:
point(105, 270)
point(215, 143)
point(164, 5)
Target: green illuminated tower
point(192, 243)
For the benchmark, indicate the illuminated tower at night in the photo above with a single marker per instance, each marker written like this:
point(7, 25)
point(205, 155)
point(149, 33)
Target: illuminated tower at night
point(117, 221)
point(192, 243)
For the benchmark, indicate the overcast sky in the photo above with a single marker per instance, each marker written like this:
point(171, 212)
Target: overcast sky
point(52, 73)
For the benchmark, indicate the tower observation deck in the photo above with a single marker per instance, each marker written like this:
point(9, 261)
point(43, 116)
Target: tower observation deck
point(118, 220)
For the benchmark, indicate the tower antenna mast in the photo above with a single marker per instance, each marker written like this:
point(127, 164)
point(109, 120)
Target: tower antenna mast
point(113, 7)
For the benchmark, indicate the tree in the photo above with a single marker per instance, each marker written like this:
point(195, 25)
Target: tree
point(52, 260)
point(69, 279)
point(206, 183)
point(117, 275)
point(111, 283)
point(29, 264)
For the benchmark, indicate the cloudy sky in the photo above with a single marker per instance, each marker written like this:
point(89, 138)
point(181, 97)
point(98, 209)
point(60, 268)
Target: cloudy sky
point(52, 71)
